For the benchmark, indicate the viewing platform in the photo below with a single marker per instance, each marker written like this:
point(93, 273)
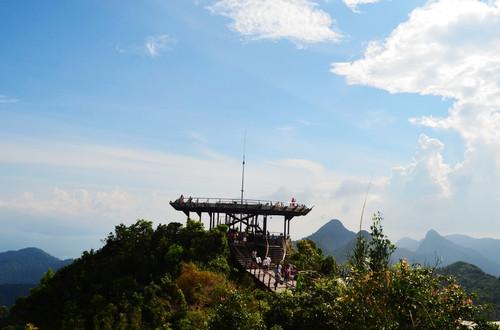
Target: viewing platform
point(250, 215)
point(236, 206)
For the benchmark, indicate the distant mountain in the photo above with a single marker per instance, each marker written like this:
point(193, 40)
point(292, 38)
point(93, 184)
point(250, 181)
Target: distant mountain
point(408, 244)
point(488, 247)
point(10, 292)
point(474, 280)
point(26, 266)
point(434, 250)
point(343, 253)
point(332, 236)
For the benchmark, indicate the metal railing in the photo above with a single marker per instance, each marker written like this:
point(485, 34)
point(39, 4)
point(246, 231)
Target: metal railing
point(212, 200)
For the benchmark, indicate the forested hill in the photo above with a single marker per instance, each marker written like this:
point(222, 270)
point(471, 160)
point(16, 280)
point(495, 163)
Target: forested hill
point(26, 266)
point(182, 277)
point(473, 279)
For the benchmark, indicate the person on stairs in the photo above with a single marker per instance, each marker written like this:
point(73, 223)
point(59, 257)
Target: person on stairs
point(277, 276)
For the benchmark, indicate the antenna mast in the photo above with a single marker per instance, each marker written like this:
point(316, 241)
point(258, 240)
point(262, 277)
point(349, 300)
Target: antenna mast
point(243, 166)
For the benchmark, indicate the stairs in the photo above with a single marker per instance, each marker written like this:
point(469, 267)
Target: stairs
point(276, 253)
point(243, 254)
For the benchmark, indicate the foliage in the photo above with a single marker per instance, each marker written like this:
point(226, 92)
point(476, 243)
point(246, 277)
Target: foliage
point(181, 277)
point(235, 313)
point(136, 280)
point(473, 279)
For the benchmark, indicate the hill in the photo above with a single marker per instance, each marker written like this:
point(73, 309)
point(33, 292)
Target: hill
point(488, 247)
point(183, 277)
point(26, 266)
point(332, 236)
point(434, 250)
point(10, 292)
point(408, 244)
point(474, 280)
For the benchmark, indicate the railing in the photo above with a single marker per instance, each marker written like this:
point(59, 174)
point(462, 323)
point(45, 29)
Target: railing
point(260, 274)
point(211, 200)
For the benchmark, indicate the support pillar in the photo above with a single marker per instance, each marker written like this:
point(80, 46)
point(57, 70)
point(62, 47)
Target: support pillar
point(265, 225)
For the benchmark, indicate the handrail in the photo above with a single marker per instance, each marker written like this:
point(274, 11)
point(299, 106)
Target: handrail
point(214, 200)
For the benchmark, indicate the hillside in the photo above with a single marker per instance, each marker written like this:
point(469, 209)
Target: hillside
point(26, 266)
point(10, 292)
point(332, 236)
point(474, 280)
point(183, 277)
point(488, 247)
point(434, 250)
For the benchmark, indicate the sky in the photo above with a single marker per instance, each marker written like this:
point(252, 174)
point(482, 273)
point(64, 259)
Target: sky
point(110, 109)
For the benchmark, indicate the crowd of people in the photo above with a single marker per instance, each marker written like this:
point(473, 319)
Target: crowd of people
point(283, 272)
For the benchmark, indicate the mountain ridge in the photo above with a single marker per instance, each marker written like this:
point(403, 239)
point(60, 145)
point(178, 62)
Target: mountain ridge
point(434, 249)
point(27, 265)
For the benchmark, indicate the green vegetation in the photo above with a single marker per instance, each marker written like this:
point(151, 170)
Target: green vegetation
point(182, 277)
point(473, 279)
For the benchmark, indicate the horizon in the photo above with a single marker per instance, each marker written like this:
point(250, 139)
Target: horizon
point(109, 110)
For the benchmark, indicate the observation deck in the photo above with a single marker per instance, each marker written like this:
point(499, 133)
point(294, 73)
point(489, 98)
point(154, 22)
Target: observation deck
point(236, 206)
point(251, 213)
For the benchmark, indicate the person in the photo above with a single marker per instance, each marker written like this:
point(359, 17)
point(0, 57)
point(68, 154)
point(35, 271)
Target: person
point(299, 281)
point(266, 263)
point(277, 276)
point(181, 199)
point(254, 256)
point(293, 203)
point(287, 274)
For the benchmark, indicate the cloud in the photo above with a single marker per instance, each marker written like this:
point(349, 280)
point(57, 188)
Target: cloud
point(353, 4)
point(156, 44)
point(4, 99)
point(450, 49)
point(153, 46)
point(299, 21)
point(427, 176)
point(141, 173)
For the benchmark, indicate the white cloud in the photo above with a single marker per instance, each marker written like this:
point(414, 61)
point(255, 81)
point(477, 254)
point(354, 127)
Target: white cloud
point(451, 49)
point(425, 177)
point(6, 99)
point(156, 44)
point(297, 20)
point(153, 46)
point(354, 4)
point(139, 173)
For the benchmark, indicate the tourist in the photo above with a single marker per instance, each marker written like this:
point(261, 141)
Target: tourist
point(287, 274)
point(277, 276)
point(266, 263)
point(254, 256)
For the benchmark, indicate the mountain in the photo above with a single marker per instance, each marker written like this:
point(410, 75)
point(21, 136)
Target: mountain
point(332, 236)
point(26, 266)
point(408, 244)
point(435, 249)
point(474, 280)
point(488, 247)
point(343, 253)
point(10, 292)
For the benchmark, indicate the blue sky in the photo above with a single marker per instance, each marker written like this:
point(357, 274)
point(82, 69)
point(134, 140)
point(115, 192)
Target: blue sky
point(109, 109)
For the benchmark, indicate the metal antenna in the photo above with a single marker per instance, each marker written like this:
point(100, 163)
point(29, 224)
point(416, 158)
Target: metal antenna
point(243, 166)
point(364, 205)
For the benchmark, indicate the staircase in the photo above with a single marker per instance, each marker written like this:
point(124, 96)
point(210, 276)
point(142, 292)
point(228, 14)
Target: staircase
point(243, 254)
point(276, 253)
